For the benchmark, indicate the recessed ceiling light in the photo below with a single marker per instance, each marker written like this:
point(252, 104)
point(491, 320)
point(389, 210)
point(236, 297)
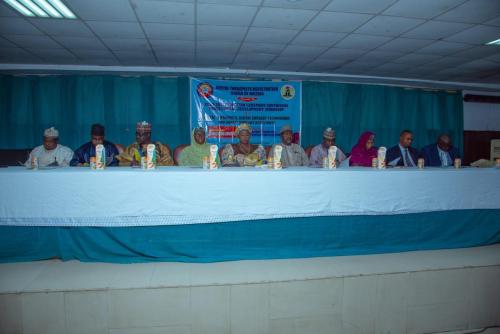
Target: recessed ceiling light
point(41, 8)
point(495, 42)
point(33, 8)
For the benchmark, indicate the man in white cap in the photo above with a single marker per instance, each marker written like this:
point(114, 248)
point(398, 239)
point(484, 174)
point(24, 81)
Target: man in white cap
point(292, 154)
point(133, 153)
point(51, 153)
point(320, 151)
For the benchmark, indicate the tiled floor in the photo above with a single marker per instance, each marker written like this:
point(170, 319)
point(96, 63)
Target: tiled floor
point(415, 292)
point(55, 275)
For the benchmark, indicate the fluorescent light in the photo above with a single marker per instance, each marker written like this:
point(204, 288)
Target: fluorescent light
point(495, 42)
point(62, 9)
point(20, 8)
point(48, 8)
point(34, 8)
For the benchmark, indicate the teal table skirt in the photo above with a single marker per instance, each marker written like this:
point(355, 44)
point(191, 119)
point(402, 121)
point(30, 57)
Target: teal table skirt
point(252, 240)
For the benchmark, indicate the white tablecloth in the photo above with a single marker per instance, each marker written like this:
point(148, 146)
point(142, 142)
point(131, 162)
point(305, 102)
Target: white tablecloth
point(175, 195)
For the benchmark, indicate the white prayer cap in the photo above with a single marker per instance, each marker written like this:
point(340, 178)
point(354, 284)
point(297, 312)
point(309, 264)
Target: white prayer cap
point(51, 132)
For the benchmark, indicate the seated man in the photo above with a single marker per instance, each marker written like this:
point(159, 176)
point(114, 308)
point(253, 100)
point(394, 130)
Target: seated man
point(320, 151)
point(292, 154)
point(86, 151)
point(193, 154)
point(403, 154)
point(51, 153)
point(133, 153)
point(441, 154)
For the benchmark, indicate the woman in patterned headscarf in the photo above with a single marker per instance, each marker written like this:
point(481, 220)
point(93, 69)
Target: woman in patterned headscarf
point(243, 153)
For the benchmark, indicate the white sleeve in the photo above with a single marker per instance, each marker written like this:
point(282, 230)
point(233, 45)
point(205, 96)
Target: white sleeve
point(65, 157)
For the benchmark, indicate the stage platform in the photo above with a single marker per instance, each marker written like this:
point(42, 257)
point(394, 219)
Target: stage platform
point(413, 292)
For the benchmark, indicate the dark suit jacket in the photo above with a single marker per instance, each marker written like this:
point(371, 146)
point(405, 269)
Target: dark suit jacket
point(394, 153)
point(431, 155)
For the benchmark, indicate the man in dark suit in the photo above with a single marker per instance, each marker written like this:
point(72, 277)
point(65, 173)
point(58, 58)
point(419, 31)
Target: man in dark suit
point(442, 154)
point(403, 154)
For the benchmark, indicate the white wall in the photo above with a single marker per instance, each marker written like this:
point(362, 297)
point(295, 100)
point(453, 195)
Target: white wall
point(481, 116)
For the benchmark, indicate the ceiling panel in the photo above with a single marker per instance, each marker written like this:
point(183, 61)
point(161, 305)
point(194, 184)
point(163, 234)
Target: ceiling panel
point(494, 22)
point(444, 48)
point(380, 55)
point(53, 55)
point(74, 28)
point(6, 10)
point(14, 25)
point(93, 54)
point(422, 9)
point(473, 11)
point(232, 2)
point(318, 38)
point(108, 10)
point(360, 6)
point(6, 44)
point(337, 22)
point(436, 29)
point(416, 59)
point(269, 35)
point(479, 34)
point(108, 29)
point(264, 48)
point(342, 54)
point(309, 4)
point(225, 14)
point(220, 61)
point(479, 52)
point(164, 11)
point(80, 43)
point(208, 48)
point(389, 26)
point(297, 51)
point(404, 44)
point(126, 44)
point(36, 42)
point(283, 18)
point(221, 33)
point(362, 42)
point(180, 46)
point(169, 31)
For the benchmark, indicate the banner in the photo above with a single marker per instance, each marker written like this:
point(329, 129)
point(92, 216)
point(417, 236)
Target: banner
point(220, 106)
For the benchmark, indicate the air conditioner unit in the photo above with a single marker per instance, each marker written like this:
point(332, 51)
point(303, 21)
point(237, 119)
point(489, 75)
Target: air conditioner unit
point(495, 149)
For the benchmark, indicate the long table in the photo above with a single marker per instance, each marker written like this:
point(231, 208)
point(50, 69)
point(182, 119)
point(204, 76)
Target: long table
point(191, 214)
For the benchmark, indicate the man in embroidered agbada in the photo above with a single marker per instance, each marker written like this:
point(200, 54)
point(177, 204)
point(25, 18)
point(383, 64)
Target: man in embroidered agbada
point(133, 153)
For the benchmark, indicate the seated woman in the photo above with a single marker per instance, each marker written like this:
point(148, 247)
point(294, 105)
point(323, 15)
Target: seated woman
point(243, 153)
point(364, 151)
point(193, 154)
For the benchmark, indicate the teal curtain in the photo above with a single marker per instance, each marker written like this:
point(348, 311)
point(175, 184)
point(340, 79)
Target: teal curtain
point(351, 109)
point(29, 104)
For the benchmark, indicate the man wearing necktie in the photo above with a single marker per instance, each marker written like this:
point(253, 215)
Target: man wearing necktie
point(441, 154)
point(403, 154)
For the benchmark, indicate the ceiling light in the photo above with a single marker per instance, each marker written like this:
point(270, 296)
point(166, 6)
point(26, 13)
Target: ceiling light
point(63, 9)
point(42, 8)
point(33, 8)
point(20, 8)
point(48, 8)
point(495, 42)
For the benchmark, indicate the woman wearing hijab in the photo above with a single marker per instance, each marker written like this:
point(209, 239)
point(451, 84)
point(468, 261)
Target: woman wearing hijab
point(243, 153)
point(193, 154)
point(364, 151)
